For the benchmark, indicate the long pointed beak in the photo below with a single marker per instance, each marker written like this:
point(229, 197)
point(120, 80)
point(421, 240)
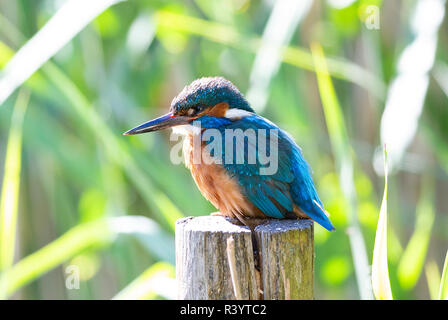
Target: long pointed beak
point(166, 121)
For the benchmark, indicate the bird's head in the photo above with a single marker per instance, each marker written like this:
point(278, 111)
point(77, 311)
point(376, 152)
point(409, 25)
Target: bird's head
point(212, 97)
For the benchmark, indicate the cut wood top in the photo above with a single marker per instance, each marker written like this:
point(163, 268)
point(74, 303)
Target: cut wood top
point(227, 225)
point(212, 224)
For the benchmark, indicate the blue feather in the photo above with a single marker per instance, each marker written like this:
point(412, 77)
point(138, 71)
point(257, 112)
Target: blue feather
point(276, 194)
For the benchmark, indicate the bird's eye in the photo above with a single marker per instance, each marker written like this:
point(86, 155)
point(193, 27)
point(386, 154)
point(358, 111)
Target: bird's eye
point(195, 110)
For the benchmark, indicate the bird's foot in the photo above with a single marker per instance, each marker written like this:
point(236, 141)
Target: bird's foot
point(252, 223)
point(231, 220)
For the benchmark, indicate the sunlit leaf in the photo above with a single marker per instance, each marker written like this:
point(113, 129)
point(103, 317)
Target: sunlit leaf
point(148, 233)
point(9, 200)
point(336, 270)
point(107, 23)
point(380, 270)
point(440, 72)
point(394, 247)
point(443, 292)
point(86, 236)
point(71, 18)
point(295, 56)
point(157, 281)
point(412, 261)
point(5, 54)
point(73, 242)
point(344, 161)
point(433, 279)
point(282, 22)
point(407, 91)
point(91, 205)
point(115, 148)
point(87, 263)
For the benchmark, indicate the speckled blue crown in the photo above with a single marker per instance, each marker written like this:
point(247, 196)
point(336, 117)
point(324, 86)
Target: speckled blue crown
point(208, 92)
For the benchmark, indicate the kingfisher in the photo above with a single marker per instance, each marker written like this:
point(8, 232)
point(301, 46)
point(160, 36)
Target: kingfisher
point(257, 173)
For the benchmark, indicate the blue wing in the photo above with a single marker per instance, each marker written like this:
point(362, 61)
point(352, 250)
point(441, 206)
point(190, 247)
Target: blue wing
point(275, 193)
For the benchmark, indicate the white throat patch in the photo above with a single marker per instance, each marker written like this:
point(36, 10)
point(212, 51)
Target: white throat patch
point(237, 114)
point(186, 129)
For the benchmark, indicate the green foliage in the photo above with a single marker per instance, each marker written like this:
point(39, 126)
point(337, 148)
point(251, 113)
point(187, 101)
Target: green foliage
point(413, 258)
point(75, 192)
point(11, 184)
point(380, 268)
point(344, 162)
point(79, 238)
point(443, 291)
point(152, 284)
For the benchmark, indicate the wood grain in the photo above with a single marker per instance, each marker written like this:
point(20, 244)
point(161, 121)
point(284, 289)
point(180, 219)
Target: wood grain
point(214, 259)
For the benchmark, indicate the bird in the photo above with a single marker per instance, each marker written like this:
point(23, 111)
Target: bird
point(240, 189)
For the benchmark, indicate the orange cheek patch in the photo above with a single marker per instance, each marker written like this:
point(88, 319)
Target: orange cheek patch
point(218, 110)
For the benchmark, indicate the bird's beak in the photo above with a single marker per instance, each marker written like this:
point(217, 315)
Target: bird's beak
point(166, 121)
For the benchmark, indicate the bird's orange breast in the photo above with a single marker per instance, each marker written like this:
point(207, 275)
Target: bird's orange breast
point(216, 185)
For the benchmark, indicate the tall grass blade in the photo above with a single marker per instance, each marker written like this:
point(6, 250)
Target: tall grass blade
point(283, 21)
point(156, 200)
point(407, 92)
point(296, 56)
point(73, 242)
point(70, 19)
point(433, 279)
point(5, 52)
point(157, 281)
point(413, 258)
point(167, 212)
point(9, 201)
point(380, 270)
point(152, 237)
point(440, 73)
point(86, 236)
point(344, 161)
point(443, 292)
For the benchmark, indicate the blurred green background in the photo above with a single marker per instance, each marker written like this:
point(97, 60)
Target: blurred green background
point(80, 199)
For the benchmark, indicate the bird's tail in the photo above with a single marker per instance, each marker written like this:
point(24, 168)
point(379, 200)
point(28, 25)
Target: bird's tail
point(318, 214)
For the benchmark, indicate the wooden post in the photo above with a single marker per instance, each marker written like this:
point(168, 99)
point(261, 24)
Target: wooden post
point(215, 259)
